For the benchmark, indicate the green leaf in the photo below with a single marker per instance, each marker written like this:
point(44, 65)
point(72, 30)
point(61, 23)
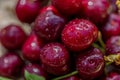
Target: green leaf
point(3, 78)
point(29, 76)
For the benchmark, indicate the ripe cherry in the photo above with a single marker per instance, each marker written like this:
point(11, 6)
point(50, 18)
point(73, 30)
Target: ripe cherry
point(10, 65)
point(90, 64)
point(27, 10)
point(55, 58)
point(79, 34)
point(13, 37)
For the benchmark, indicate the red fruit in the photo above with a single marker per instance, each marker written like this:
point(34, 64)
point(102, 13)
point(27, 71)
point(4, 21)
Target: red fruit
point(67, 7)
point(49, 24)
point(12, 37)
point(35, 69)
point(90, 64)
point(112, 28)
point(113, 45)
point(95, 10)
point(27, 10)
point(113, 76)
point(31, 48)
point(10, 65)
point(55, 58)
point(72, 78)
point(79, 34)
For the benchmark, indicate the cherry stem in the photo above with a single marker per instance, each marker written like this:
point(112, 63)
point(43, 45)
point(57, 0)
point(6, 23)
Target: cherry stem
point(97, 46)
point(101, 40)
point(67, 75)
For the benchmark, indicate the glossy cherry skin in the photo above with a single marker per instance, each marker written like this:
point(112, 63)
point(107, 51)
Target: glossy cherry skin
point(79, 34)
point(55, 58)
point(27, 10)
point(95, 10)
point(32, 47)
point(74, 77)
point(113, 45)
point(10, 65)
point(35, 69)
point(90, 64)
point(49, 24)
point(112, 27)
point(113, 76)
point(67, 7)
point(13, 37)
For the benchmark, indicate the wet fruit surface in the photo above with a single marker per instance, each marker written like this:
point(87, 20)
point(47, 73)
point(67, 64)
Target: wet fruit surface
point(79, 34)
point(49, 24)
point(90, 64)
point(55, 58)
point(32, 47)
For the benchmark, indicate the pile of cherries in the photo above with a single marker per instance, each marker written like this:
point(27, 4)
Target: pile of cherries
point(66, 41)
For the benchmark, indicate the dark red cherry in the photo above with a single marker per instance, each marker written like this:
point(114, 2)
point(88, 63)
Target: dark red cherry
point(113, 45)
point(31, 48)
point(112, 27)
point(79, 34)
point(113, 76)
point(95, 10)
point(90, 64)
point(27, 10)
point(49, 24)
point(55, 58)
point(13, 37)
point(10, 65)
point(35, 69)
point(67, 7)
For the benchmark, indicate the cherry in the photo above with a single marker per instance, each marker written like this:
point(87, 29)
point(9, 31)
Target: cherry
point(67, 7)
point(112, 27)
point(55, 58)
point(49, 24)
point(79, 34)
point(10, 65)
point(27, 10)
point(12, 37)
point(31, 48)
point(95, 10)
point(113, 76)
point(35, 69)
point(113, 45)
point(90, 64)
point(74, 77)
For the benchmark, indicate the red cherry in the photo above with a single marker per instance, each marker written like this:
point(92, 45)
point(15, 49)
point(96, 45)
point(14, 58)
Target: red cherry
point(113, 45)
point(12, 37)
point(27, 10)
point(55, 58)
point(90, 64)
point(95, 10)
point(32, 47)
point(35, 69)
point(10, 65)
point(79, 34)
point(49, 24)
point(67, 7)
point(112, 27)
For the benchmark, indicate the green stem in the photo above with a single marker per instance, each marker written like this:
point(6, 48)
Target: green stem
point(97, 46)
point(101, 40)
point(65, 76)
